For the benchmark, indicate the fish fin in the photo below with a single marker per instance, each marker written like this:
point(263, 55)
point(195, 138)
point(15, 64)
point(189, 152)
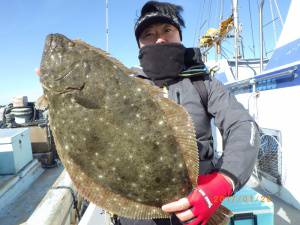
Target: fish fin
point(221, 216)
point(115, 204)
point(182, 126)
point(95, 193)
point(107, 56)
point(185, 134)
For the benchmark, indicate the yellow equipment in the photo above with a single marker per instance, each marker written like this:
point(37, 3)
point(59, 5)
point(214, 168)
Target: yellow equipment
point(214, 36)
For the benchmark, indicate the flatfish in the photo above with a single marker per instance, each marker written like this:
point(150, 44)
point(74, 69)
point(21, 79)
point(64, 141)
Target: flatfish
point(127, 148)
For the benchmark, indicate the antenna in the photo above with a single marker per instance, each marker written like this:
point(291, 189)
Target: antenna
point(106, 21)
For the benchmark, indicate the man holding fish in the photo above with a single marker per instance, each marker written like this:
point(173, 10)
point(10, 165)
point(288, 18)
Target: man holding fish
point(165, 62)
point(75, 77)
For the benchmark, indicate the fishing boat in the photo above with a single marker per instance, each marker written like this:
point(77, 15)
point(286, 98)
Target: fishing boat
point(31, 178)
point(269, 88)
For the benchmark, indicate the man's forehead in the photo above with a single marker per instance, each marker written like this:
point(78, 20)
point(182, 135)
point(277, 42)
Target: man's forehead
point(158, 25)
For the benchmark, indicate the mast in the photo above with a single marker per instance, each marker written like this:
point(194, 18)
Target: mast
point(261, 35)
point(236, 35)
point(106, 25)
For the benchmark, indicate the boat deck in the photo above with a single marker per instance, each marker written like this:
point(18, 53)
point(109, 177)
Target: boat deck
point(284, 214)
point(20, 210)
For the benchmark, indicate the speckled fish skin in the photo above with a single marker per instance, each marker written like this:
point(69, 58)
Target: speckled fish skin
point(126, 148)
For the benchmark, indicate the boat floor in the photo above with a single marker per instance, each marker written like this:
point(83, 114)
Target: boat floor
point(21, 209)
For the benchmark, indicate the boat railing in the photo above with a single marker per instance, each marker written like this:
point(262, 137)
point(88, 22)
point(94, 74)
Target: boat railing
point(290, 74)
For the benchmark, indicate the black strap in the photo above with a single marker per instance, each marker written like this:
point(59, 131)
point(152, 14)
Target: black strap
point(243, 216)
point(74, 197)
point(200, 86)
point(115, 220)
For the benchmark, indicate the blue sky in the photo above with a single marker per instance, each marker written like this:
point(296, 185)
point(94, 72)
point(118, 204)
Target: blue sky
point(25, 24)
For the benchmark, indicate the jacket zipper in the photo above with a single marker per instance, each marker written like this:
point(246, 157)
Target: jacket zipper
point(178, 97)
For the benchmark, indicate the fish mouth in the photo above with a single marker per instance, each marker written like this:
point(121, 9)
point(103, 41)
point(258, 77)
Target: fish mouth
point(64, 75)
point(52, 42)
point(73, 89)
point(54, 46)
point(66, 90)
point(55, 41)
point(57, 68)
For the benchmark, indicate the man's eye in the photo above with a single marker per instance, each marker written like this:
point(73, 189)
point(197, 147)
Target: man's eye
point(147, 35)
point(168, 30)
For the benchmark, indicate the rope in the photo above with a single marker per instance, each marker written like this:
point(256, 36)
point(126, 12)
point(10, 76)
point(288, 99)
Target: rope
point(222, 10)
point(74, 199)
point(265, 47)
point(226, 50)
point(223, 53)
point(198, 22)
point(278, 11)
point(200, 28)
point(274, 26)
point(209, 14)
point(242, 46)
point(217, 12)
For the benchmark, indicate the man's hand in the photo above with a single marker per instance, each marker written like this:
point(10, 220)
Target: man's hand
point(205, 199)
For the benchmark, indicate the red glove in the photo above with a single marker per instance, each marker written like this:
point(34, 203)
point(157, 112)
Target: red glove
point(208, 196)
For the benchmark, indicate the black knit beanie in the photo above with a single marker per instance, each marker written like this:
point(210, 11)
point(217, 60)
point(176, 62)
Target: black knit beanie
point(159, 12)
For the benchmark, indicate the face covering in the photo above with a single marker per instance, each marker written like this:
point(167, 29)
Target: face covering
point(163, 63)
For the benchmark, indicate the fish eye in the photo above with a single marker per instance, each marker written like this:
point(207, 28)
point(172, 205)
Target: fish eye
point(71, 44)
point(53, 44)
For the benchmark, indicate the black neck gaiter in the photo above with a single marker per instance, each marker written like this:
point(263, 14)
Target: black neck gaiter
point(163, 63)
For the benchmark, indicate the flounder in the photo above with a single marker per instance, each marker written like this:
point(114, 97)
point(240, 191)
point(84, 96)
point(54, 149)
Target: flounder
point(127, 148)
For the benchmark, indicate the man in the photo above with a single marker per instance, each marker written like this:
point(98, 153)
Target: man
point(164, 60)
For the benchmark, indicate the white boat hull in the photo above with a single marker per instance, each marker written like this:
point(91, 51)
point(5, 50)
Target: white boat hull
point(277, 109)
